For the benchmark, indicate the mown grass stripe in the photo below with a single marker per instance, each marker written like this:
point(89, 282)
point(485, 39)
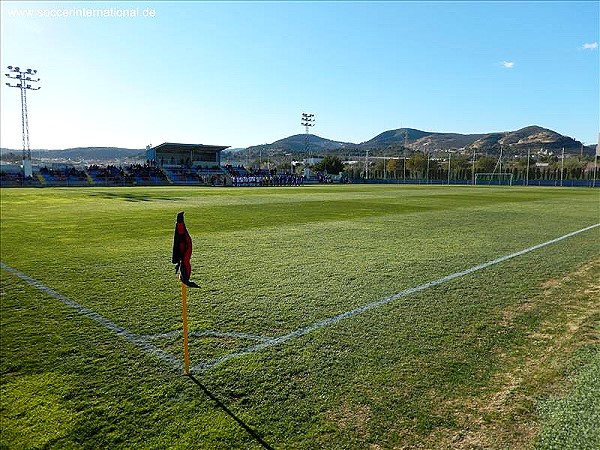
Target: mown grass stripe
point(354, 312)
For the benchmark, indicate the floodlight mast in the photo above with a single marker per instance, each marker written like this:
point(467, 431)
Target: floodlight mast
point(23, 82)
point(307, 121)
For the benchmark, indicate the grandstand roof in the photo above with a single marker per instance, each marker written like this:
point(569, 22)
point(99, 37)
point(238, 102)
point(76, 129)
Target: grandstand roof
point(168, 147)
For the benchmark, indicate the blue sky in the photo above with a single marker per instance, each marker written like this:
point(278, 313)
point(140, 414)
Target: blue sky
point(241, 73)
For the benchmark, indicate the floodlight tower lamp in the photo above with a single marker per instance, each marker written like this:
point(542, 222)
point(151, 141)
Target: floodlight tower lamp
point(24, 87)
point(307, 121)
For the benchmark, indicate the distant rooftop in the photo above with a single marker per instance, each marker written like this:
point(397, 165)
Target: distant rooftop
point(175, 147)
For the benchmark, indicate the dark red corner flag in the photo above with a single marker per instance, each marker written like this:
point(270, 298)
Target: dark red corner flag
point(182, 252)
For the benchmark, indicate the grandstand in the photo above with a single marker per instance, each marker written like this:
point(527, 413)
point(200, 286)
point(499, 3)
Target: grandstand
point(62, 175)
point(190, 163)
point(168, 163)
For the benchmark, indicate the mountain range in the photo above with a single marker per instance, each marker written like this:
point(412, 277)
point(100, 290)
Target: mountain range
point(533, 137)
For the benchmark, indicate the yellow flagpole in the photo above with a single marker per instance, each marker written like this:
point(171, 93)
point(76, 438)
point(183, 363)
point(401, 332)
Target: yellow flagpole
point(186, 356)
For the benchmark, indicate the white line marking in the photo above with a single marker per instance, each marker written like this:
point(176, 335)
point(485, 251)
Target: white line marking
point(142, 343)
point(120, 331)
point(384, 301)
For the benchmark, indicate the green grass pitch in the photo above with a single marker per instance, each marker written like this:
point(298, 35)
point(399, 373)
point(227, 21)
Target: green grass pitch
point(502, 357)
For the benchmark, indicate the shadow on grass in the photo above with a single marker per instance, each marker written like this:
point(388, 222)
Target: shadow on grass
point(130, 197)
point(220, 404)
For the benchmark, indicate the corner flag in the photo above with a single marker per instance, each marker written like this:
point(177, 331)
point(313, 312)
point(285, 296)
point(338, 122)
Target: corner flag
point(182, 252)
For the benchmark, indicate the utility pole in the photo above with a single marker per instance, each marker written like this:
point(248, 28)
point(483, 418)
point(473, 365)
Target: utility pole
point(527, 175)
point(473, 169)
point(596, 161)
point(562, 166)
point(500, 161)
point(23, 82)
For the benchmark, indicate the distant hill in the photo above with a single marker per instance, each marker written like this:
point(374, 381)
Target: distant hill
point(83, 153)
point(392, 137)
point(233, 150)
point(297, 144)
point(444, 141)
point(531, 137)
point(99, 153)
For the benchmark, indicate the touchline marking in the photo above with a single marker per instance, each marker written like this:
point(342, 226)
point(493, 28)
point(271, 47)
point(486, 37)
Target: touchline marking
point(136, 340)
point(384, 301)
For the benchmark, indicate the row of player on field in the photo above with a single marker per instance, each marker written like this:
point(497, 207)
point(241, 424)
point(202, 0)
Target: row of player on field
point(268, 180)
